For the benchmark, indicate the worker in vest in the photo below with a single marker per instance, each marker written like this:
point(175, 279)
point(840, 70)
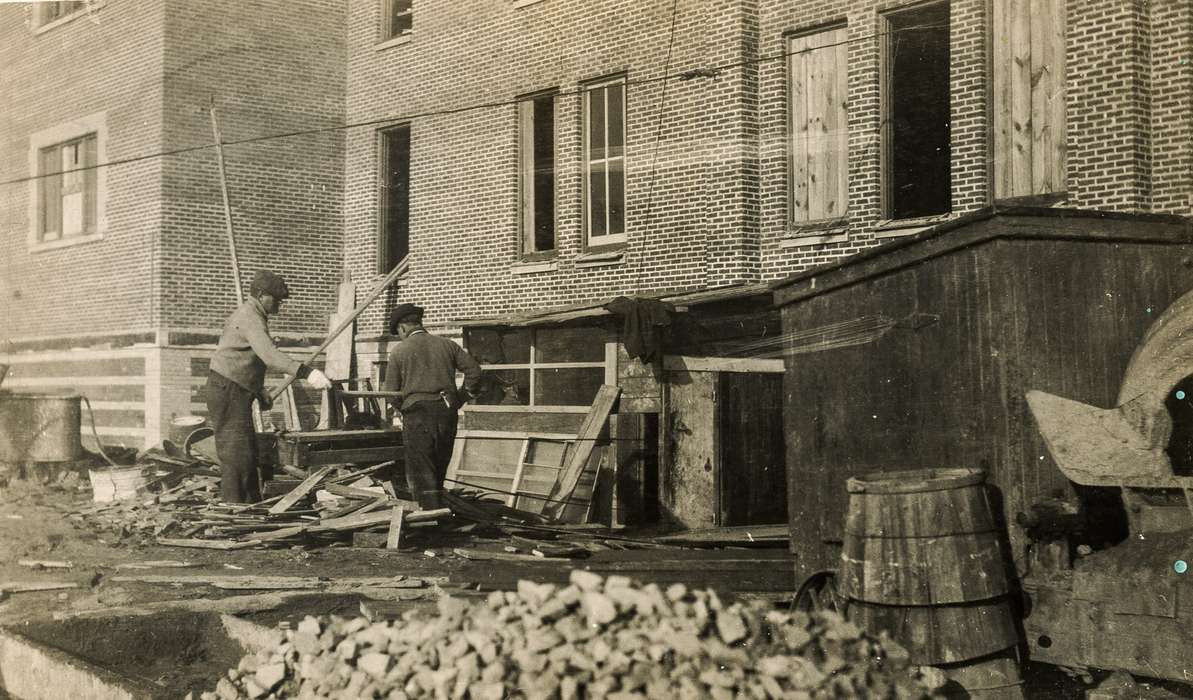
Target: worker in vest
point(422, 368)
point(237, 377)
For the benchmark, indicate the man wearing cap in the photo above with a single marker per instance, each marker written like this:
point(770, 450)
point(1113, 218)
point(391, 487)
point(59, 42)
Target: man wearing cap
point(422, 368)
point(237, 377)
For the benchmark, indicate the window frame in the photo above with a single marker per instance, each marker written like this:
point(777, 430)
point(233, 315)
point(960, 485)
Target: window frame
point(527, 194)
point(820, 225)
point(608, 364)
point(383, 185)
point(388, 35)
point(42, 22)
point(885, 30)
point(609, 239)
point(54, 138)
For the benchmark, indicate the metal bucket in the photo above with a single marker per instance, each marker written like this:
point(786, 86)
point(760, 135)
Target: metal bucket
point(39, 427)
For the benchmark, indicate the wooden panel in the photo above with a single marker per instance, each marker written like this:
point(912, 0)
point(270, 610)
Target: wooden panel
point(798, 126)
point(688, 493)
point(1019, 12)
point(522, 421)
point(1001, 109)
point(821, 65)
point(1047, 95)
point(595, 423)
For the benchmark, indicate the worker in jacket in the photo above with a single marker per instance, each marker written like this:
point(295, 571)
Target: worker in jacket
point(422, 368)
point(237, 377)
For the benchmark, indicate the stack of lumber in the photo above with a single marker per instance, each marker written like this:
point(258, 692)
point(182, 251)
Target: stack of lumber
point(592, 637)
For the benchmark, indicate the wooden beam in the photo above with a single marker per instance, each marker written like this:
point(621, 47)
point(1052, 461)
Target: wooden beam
point(721, 364)
point(586, 438)
point(394, 540)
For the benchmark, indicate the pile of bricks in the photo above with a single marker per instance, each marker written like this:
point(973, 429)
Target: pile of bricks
point(594, 638)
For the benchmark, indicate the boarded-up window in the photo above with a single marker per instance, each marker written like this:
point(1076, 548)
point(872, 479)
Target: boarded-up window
point(1029, 97)
point(817, 73)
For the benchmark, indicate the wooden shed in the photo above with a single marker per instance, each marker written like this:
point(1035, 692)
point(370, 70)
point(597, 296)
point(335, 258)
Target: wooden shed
point(918, 353)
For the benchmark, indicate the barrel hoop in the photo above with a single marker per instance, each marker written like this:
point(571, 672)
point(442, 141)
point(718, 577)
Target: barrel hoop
point(915, 481)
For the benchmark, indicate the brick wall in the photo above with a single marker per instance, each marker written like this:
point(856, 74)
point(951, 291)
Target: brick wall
point(1172, 106)
point(687, 203)
point(273, 67)
point(107, 61)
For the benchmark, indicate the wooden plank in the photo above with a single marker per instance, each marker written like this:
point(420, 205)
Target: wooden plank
point(1042, 93)
point(290, 409)
point(836, 130)
point(722, 364)
point(517, 481)
point(1001, 110)
point(300, 491)
point(349, 492)
point(207, 544)
point(820, 64)
point(798, 128)
point(339, 353)
point(394, 540)
point(590, 430)
point(1053, 59)
point(1021, 136)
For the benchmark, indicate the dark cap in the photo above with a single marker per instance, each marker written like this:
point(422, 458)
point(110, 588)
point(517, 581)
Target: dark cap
point(404, 312)
point(271, 284)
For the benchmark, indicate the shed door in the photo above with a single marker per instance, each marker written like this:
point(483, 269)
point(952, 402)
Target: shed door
point(689, 470)
point(752, 473)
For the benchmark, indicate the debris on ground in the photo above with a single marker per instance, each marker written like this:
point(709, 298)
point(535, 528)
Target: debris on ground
point(595, 637)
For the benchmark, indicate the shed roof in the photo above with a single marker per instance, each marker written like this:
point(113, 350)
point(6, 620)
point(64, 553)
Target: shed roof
point(980, 227)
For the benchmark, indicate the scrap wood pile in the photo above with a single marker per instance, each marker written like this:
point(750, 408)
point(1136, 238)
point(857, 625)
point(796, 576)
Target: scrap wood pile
point(180, 507)
point(591, 638)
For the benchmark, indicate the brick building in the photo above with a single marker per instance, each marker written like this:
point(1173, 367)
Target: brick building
point(116, 279)
point(536, 158)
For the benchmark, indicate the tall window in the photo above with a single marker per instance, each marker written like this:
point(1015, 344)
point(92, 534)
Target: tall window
point(916, 112)
point(1029, 97)
point(536, 183)
point(66, 199)
point(395, 196)
point(819, 169)
point(604, 161)
point(397, 18)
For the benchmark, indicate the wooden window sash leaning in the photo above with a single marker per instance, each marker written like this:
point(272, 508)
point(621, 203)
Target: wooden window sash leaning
point(604, 162)
point(818, 124)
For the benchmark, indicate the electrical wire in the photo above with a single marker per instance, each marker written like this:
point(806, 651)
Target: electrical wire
point(689, 74)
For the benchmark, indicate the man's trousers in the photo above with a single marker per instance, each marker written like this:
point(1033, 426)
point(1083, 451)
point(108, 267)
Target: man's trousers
point(230, 413)
point(428, 436)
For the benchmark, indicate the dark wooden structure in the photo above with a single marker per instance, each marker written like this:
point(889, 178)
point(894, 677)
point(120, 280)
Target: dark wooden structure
point(917, 354)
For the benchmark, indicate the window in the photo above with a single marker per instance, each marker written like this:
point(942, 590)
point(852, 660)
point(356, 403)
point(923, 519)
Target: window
point(53, 11)
point(66, 193)
point(398, 19)
point(916, 174)
point(558, 366)
point(604, 162)
point(395, 197)
point(817, 67)
point(536, 183)
point(1029, 98)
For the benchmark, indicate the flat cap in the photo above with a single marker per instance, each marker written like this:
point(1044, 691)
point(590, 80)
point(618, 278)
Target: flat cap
point(270, 283)
point(403, 312)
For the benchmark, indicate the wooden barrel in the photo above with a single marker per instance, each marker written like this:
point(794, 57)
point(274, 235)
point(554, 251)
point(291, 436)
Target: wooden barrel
point(922, 561)
point(994, 677)
point(181, 428)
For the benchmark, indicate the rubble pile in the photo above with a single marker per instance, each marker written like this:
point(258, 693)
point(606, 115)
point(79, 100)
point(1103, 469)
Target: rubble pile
point(595, 638)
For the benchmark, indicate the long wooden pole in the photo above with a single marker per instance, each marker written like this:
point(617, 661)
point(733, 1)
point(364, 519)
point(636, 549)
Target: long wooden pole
point(377, 290)
point(219, 152)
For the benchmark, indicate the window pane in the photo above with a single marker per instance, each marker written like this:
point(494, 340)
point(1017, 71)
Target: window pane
point(567, 387)
point(50, 190)
point(596, 124)
point(596, 201)
point(401, 17)
point(544, 173)
point(616, 127)
point(395, 242)
point(509, 387)
point(89, 179)
point(579, 344)
point(616, 197)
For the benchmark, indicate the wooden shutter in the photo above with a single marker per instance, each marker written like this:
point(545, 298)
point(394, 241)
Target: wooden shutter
point(819, 126)
point(1029, 97)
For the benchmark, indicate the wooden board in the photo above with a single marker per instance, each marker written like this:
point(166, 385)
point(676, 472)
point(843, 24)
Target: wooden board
point(300, 491)
point(590, 431)
point(687, 492)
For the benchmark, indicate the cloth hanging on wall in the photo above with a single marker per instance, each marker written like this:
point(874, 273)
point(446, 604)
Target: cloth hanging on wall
point(645, 325)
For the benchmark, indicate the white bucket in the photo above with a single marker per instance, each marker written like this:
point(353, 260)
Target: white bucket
point(116, 484)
